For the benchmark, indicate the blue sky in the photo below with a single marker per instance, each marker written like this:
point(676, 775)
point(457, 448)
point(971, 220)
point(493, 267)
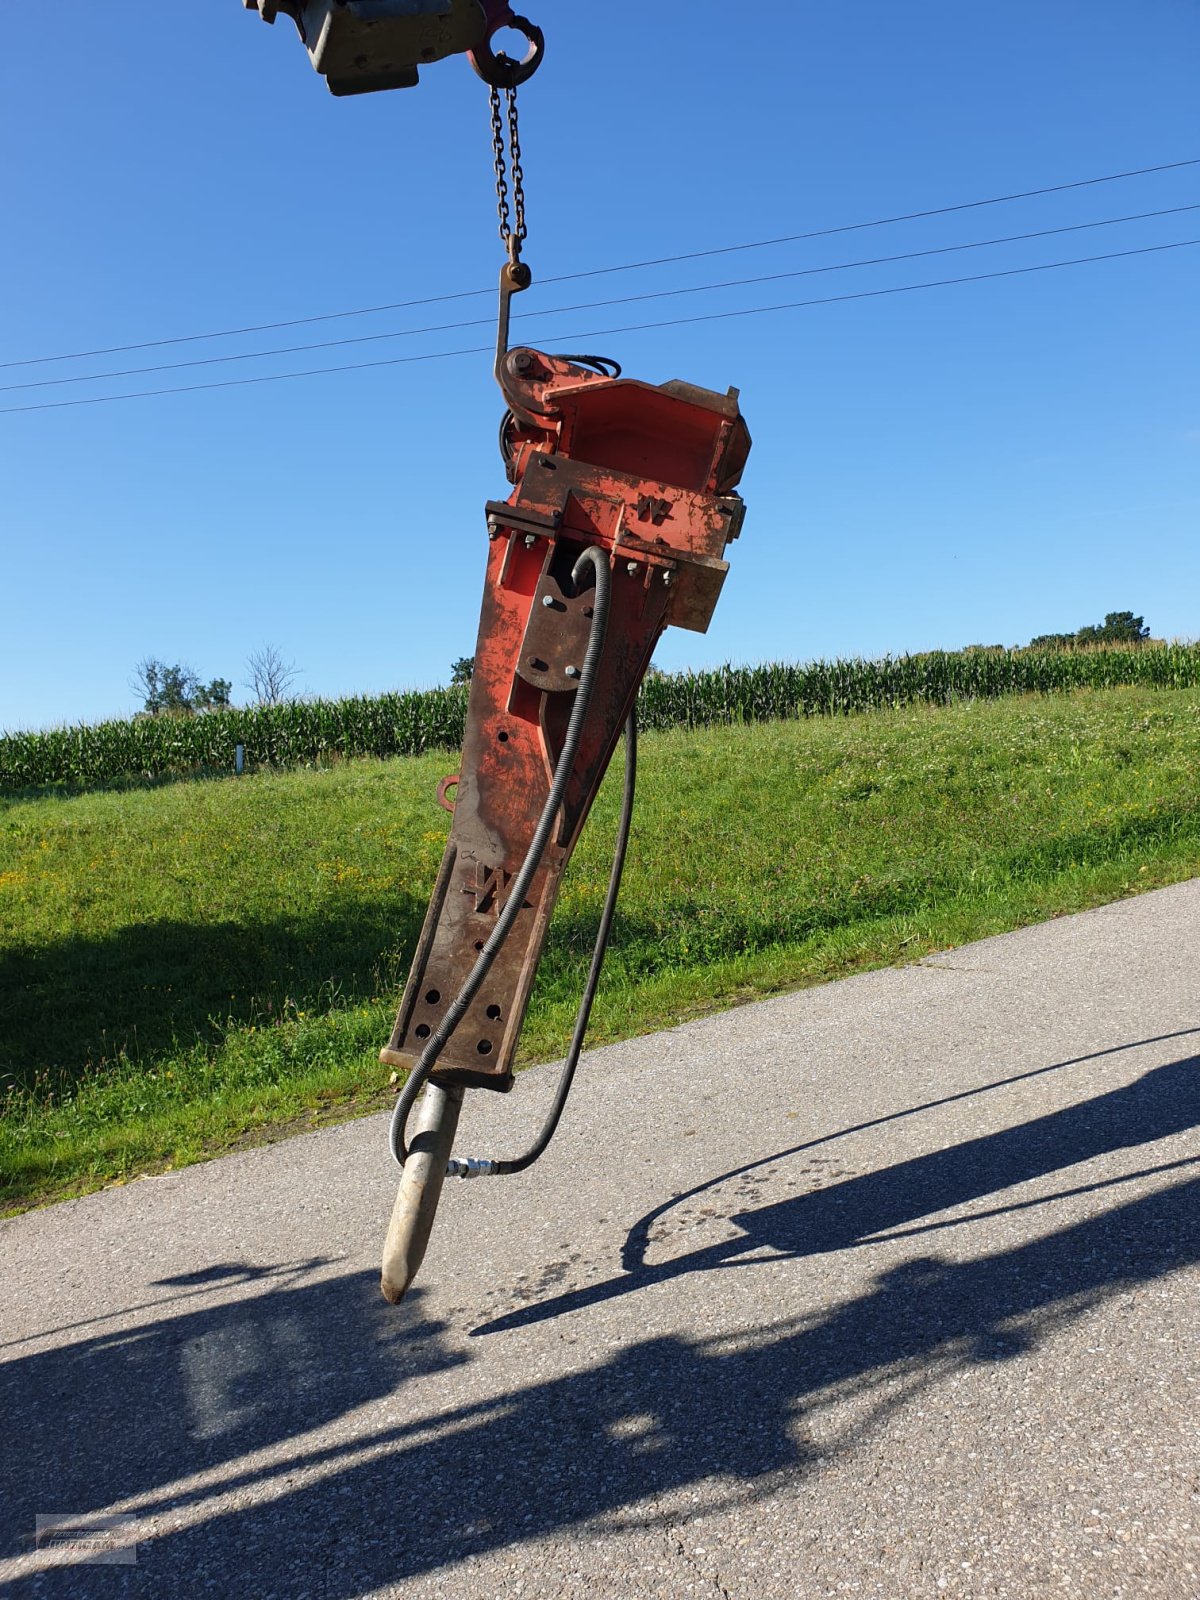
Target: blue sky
point(976, 463)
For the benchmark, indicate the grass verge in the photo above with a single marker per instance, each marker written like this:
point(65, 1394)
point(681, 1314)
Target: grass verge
point(189, 967)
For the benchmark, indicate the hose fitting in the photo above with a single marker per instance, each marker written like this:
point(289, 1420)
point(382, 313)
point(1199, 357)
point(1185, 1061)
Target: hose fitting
point(471, 1167)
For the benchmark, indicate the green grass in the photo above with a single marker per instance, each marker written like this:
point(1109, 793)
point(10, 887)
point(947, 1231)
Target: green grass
point(188, 966)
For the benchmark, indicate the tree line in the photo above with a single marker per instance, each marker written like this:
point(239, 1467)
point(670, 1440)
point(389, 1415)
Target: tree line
point(1118, 627)
point(177, 690)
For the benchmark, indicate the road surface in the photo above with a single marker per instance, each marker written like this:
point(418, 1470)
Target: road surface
point(886, 1288)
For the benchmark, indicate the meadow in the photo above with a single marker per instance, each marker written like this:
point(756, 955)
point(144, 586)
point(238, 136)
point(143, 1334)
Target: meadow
point(189, 965)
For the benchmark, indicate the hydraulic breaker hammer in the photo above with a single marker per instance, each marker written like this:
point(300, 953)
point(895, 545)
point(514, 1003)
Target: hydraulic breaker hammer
point(633, 486)
point(623, 502)
point(647, 475)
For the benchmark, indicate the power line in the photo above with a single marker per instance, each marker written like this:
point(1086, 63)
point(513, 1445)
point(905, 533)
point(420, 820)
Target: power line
point(596, 333)
point(595, 305)
point(628, 266)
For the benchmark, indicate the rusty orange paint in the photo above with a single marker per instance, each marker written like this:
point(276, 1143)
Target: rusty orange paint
point(649, 474)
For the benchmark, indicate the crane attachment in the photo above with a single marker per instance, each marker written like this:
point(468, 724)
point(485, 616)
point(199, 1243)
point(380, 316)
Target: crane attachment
point(624, 498)
point(359, 46)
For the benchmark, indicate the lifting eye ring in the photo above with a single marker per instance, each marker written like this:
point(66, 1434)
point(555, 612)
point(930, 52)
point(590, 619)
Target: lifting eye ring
point(443, 799)
point(500, 70)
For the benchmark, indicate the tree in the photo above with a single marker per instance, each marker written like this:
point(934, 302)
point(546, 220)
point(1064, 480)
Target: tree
point(176, 690)
point(270, 675)
point(1118, 627)
point(462, 669)
point(212, 696)
point(1122, 627)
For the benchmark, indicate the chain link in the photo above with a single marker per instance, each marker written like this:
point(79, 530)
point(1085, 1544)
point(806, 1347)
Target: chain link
point(513, 231)
point(518, 176)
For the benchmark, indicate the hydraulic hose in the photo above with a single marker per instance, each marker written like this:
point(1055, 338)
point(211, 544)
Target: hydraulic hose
point(462, 1168)
point(438, 1040)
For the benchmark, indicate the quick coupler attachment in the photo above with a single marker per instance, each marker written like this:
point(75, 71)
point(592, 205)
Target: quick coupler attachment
point(359, 46)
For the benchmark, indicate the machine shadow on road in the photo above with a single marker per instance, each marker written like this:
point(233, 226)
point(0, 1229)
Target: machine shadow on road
point(893, 1201)
point(236, 1388)
point(126, 1410)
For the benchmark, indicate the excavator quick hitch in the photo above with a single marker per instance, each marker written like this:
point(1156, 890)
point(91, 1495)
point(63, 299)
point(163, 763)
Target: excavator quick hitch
point(362, 45)
point(646, 476)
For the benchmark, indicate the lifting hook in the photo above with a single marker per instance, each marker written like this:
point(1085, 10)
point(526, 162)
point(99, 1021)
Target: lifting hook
point(501, 71)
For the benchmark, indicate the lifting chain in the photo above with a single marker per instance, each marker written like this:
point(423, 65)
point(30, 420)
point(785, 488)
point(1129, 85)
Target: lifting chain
point(512, 224)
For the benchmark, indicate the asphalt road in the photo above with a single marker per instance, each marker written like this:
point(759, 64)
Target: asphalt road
point(888, 1288)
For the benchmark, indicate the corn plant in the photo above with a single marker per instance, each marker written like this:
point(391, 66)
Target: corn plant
point(310, 732)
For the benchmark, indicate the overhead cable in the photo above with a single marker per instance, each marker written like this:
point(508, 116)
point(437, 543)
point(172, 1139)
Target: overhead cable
point(596, 305)
point(628, 266)
point(595, 333)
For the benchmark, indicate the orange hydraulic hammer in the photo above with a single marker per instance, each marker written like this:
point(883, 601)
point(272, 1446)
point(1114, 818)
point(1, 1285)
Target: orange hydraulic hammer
point(623, 503)
point(647, 474)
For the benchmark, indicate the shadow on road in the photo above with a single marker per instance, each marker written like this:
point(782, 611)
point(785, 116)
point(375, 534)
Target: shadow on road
point(134, 1415)
point(857, 1211)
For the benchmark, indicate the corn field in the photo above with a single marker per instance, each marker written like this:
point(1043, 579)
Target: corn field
point(299, 733)
point(314, 732)
point(837, 688)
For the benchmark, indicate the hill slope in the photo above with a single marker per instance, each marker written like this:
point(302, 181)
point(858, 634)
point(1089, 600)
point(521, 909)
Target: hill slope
point(183, 964)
